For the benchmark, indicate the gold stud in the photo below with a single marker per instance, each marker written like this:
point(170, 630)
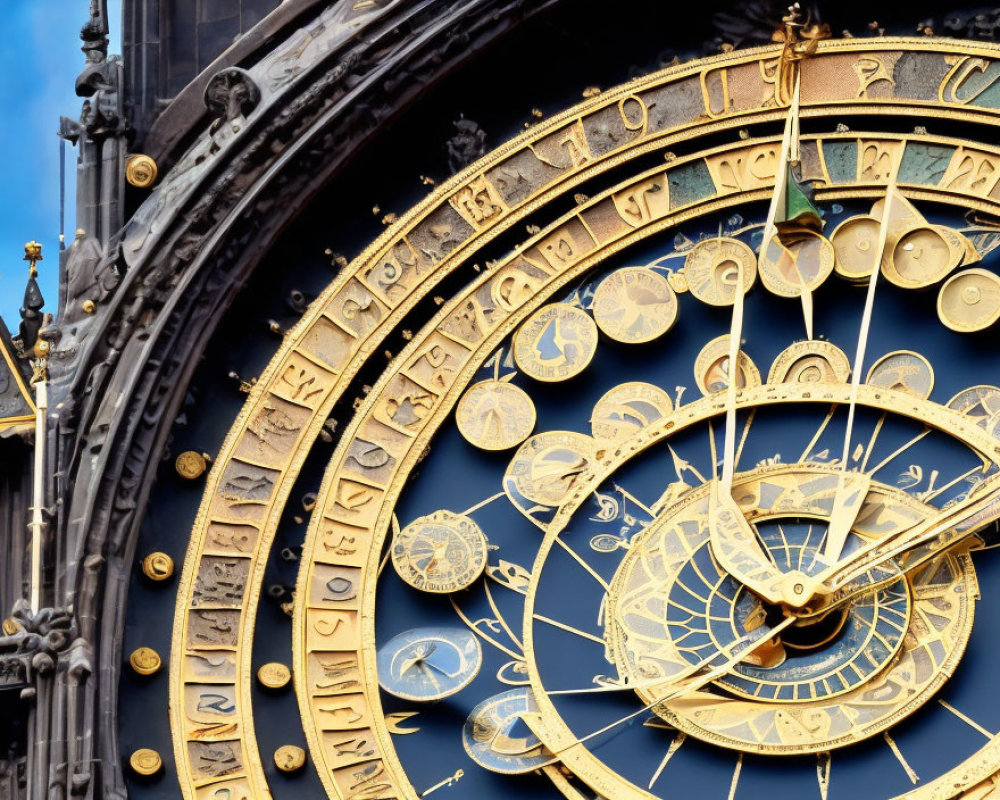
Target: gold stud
point(145, 762)
point(145, 661)
point(274, 675)
point(10, 626)
point(191, 465)
point(289, 758)
point(88, 306)
point(141, 171)
point(158, 566)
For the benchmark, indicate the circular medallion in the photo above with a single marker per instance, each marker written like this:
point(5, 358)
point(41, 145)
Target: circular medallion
point(426, 664)
point(190, 465)
point(922, 256)
point(145, 661)
point(289, 758)
point(495, 415)
point(496, 736)
point(158, 567)
point(140, 171)
point(855, 244)
point(145, 762)
point(628, 408)
point(813, 361)
point(440, 553)
point(903, 371)
point(711, 368)
point(970, 301)
point(555, 343)
point(711, 270)
point(547, 466)
point(805, 258)
point(274, 675)
point(634, 305)
point(979, 403)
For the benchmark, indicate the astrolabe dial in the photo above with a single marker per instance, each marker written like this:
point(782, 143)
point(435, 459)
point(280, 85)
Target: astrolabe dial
point(826, 681)
point(495, 415)
point(855, 243)
point(634, 305)
point(903, 371)
point(427, 664)
point(803, 259)
point(440, 553)
point(627, 409)
point(642, 635)
point(555, 343)
point(547, 467)
point(497, 737)
point(970, 301)
point(712, 371)
point(712, 268)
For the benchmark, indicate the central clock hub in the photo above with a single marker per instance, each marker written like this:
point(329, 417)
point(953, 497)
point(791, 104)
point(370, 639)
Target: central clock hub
point(671, 605)
point(809, 633)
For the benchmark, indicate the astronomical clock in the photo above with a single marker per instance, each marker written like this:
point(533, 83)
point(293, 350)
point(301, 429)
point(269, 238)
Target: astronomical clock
point(654, 454)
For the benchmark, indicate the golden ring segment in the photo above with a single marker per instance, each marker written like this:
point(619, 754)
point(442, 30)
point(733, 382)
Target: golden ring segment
point(347, 323)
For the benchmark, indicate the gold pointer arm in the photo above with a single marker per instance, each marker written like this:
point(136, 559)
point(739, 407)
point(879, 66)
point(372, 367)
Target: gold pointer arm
point(737, 549)
point(846, 504)
point(938, 534)
point(694, 680)
point(734, 544)
point(852, 489)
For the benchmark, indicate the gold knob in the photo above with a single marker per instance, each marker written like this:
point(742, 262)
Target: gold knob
point(158, 566)
point(289, 758)
point(145, 661)
point(274, 675)
point(141, 171)
point(190, 465)
point(145, 762)
point(10, 626)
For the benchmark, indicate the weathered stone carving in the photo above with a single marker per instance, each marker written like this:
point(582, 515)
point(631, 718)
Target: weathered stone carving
point(230, 96)
point(42, 637)
point(468, 144)
point(118, 376)
point(984, 25)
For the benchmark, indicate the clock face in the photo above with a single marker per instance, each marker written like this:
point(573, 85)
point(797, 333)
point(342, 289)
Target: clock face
point(690, 493)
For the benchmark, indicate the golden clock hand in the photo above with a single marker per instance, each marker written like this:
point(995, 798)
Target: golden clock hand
point(794, 156)
point(852, 490)
point(850, 495)
point(691, 682)
point(741, 555)
point(962, 520)
point(738, 550)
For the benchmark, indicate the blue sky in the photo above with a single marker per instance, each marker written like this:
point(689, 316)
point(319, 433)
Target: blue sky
point(36, 90)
